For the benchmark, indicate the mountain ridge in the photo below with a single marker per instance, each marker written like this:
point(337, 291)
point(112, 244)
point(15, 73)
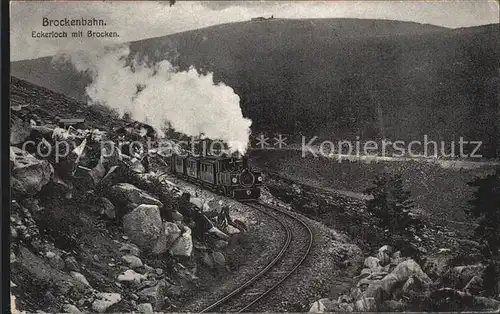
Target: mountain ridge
point(333, 77)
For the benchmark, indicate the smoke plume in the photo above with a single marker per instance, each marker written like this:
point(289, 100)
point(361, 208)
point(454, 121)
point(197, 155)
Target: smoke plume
point(159, 95)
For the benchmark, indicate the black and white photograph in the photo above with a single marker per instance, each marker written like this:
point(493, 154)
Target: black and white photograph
point(254, 156)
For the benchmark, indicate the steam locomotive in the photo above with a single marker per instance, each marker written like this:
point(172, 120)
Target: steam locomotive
point(229, 176)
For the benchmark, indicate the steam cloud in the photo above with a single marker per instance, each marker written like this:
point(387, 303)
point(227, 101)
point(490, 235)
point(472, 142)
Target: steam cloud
point(159, 95)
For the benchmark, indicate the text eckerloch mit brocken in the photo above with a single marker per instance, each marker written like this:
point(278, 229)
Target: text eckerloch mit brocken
point(75, 33)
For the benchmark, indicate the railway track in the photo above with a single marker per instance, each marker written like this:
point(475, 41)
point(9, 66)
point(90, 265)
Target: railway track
point(293, 252)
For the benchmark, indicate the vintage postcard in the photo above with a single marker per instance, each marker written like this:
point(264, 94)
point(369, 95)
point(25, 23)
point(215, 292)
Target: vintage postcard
point(254, 156)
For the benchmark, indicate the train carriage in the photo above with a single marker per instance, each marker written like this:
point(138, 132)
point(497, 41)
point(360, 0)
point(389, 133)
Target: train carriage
point(207, 172)
point(226, 175)
point(178, 165)
point(192, 168)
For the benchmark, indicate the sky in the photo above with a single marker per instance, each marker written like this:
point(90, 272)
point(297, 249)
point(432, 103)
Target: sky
point(134, 20)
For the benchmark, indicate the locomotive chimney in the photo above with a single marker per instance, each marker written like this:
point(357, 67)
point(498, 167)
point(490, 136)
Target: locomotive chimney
point(245, 161)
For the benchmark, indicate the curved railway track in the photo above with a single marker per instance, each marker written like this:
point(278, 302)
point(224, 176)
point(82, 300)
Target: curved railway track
point(292, 254)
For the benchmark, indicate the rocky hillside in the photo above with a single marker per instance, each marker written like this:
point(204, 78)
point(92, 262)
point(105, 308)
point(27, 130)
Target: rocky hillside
point(336, 78)
point(390, 282)
point(101, 234)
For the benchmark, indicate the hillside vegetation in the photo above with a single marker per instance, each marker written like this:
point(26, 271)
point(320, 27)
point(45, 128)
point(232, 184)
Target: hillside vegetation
point(335, 78)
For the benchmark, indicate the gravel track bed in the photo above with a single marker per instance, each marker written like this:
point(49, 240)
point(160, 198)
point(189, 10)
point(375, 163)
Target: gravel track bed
point(298, 246)
point(328, 270)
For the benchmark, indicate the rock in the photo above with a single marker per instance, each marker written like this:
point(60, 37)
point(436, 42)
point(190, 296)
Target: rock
point(132, 261)
point(373, 263)
point(220, 244)
point(322, 306)
point(126, 193)
point(219, 259)
point(356, 294)
point(410, 268)
point(365, 282)
point(422, 250)
point(17, 188)
point(56, 261)
point(106, 208)
point(69, 308)
point(461, 275)
point(365, 272)
point(131, 249)
point(104, 300)
point(216, 232)
point(474, 286)
point(131, 276)
point(170, 233)
point(382, 288)
point(143, 226)
point(71, 264)
point(198, 202)
point(344, 299)
point(438, 264)
point(79, 277)
point(145, 308)
point(366, 305)
point(383, 258)
point(176, 216)
point(13, 234)
point(386, 249)
point(50, 254)
point(19, 130)
point(183, 245)
point(232, 230)
point(12, 257)
point(409, 285)
point(345, 307)
point(208, 260)
point(30, 173)
point(154, 295)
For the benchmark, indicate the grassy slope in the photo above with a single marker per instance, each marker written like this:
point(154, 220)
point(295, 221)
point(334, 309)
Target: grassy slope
point(327, 76)
point(441, 194)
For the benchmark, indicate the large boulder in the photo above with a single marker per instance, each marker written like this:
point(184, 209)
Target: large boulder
point(143, 226)
point(366, 305)
point(183, 245)
point(29, 173)
point(106, 208)
point(373, 264)
point(323, 305)
point(128, 195)
point(474, 286)
point(439, 263)
point(383, 258)
point(105, 300)
point(19, 131)
point(461, 275)
point(170, 233)
point(131, 276)
point(385, 287)
point(154, 295)
point(410, 268)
